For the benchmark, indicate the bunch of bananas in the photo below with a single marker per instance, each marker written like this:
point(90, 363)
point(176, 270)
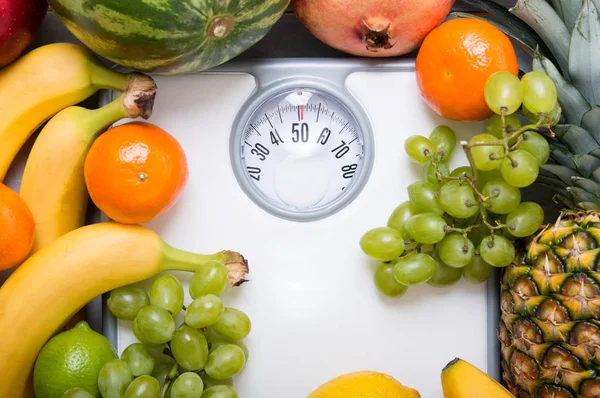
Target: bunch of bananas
point(70, 263)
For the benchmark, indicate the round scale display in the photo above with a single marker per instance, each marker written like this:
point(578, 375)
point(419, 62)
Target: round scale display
point(300, 154)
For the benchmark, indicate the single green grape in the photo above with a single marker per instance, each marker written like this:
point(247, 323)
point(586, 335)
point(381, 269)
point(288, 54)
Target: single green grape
point(431, 176)
point(382, 243)
point(486, 157)
point(77, 393)
point(532, 117)
point(418, 147)
point(167, 292)
point(220, 391)
point(424, 196)
point(211, 278)
point(477, 271)
point(215, 341)
point(443, 140)
point(483, 177)
point(401, 213)
point(539, 92)
point(521, 170)
point(189, 348)
point(125, 302)
point(386, 283)
point(414, 268)
point(210, 382)
point(204, 311)
point(462, 170)
point(444, 275)
point(458, 200)
point(455, 250)
point(503, 93)
point(544, 119)
point(165, 368)
point(553, 118)
point(143, 387)
point(503, 197)
point(233, 324)
point(525, 220)
point(225, 362)
point(187, 385)
point(153, 325)
point(493, 125)
point(139, 358)
point(427, 228)
point(497, 251)
point(113, 378)
point(536, 145)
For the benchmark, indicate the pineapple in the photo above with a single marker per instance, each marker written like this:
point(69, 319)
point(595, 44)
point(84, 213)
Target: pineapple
point(550, 310)
point(550, 296)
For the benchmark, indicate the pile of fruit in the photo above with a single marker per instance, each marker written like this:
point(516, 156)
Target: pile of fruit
point(462, 222)
point(541, 127)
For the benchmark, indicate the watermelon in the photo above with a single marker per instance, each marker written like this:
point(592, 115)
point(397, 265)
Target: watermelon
point(169, 36)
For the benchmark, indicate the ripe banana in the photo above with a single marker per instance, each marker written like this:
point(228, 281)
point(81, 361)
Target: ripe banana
point(41, 83)
point(53, 284)
point(460, 379)
point(53, 184)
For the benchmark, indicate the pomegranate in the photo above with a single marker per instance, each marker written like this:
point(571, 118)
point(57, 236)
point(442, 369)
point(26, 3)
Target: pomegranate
point(372, 28)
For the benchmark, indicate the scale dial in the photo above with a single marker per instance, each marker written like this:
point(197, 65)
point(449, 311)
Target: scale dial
point(300, 153)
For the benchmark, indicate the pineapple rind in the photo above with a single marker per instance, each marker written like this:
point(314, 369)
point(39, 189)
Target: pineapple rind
point(550, 312)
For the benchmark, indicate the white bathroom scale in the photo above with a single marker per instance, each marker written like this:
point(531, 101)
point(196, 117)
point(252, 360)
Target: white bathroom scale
point(291, 161)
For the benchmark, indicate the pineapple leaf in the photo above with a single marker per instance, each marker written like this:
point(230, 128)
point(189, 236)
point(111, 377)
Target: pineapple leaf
point(596, 153)
point(589, 205)
point(587, 165)
point(552, 182)
point(556, 190)
point(561, 172)
point(591, 122)
point(584, 57)
point(568, 10)
point(580, 195)
point(578, 140)
point(547, 23)
point(596, 176)
point(573, 105)
point(563, 158)
point(564, 200)
point(588, 185)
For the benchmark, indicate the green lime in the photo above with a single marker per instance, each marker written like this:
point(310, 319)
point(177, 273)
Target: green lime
point(71, 359)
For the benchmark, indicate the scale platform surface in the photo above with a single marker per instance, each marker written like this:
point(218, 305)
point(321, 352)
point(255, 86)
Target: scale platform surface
point(314, 308)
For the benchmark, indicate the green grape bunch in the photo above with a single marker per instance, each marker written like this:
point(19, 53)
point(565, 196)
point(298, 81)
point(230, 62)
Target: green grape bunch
point(195, 359)
point(461, 223)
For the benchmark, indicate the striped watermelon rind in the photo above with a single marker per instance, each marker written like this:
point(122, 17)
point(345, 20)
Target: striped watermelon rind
point(169, 36)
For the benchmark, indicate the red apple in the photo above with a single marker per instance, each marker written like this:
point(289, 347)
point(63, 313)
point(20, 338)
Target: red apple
point(20, 21)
